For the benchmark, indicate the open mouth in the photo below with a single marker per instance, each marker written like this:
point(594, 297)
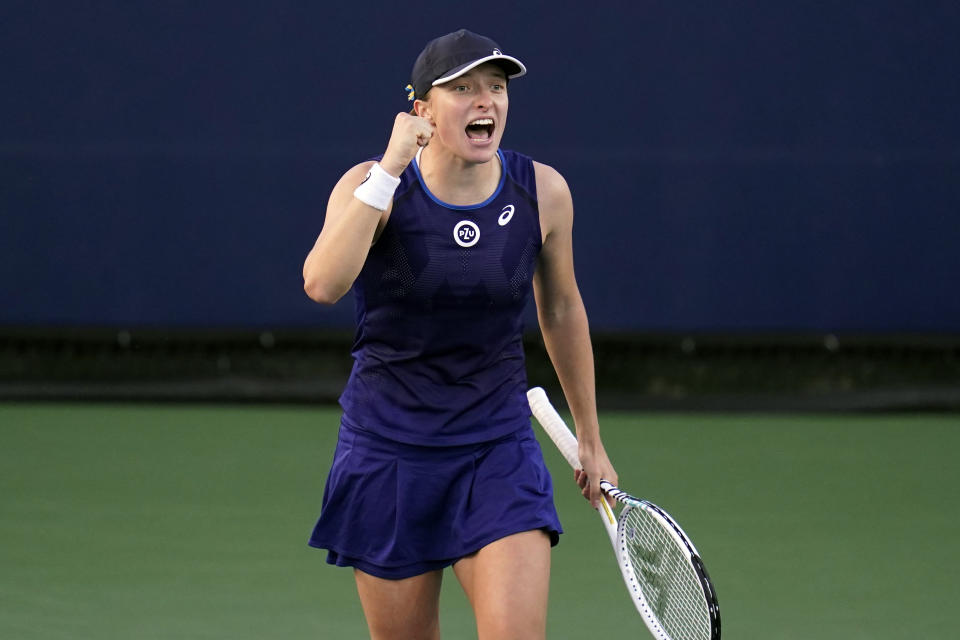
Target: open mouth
point(480, 129)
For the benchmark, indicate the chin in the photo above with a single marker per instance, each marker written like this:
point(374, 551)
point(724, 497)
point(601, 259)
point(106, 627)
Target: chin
point(483, 157)
point(481, 154)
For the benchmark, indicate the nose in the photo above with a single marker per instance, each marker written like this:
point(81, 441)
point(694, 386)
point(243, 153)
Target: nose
point(483, 98)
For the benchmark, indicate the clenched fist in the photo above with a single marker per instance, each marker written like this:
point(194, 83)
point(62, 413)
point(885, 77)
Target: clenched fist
point(410, 132)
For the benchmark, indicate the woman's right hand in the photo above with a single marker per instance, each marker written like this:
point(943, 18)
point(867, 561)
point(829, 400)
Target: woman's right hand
point(410, 132)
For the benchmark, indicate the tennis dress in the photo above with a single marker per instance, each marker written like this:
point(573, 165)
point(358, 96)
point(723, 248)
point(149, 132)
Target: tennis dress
point(436, 456)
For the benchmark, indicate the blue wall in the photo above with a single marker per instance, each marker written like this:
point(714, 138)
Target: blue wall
point(736, 166)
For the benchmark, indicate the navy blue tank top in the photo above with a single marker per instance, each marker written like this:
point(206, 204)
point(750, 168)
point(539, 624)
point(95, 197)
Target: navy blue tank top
point(438, 354)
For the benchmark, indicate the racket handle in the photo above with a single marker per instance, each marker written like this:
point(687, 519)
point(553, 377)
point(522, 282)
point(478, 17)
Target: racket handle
point(566, 442)
point(554, 425)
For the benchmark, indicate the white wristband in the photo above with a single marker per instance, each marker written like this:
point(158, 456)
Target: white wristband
point(377, 188)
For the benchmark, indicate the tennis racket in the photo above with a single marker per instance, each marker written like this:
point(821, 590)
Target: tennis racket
point(662, 570)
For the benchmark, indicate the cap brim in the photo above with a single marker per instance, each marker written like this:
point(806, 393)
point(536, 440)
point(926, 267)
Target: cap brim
point(456, 72)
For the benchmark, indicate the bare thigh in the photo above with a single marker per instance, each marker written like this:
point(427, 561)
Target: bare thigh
point(408, 608)
point(507, 583)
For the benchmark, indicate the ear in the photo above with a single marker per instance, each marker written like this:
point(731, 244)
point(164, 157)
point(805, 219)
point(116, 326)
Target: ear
point(422, 109)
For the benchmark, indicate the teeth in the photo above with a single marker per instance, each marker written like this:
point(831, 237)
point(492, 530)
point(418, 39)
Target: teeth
point(481, 122)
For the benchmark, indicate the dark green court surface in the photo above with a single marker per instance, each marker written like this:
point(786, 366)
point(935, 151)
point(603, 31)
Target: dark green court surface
point(175, 521)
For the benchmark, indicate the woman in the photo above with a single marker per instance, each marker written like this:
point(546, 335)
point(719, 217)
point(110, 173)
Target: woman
point(436, 465)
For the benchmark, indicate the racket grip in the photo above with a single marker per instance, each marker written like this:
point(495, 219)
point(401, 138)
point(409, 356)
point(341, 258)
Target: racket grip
point(554, 425)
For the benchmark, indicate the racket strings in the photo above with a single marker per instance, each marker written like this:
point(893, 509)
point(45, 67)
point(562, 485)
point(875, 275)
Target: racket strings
point(671, 586)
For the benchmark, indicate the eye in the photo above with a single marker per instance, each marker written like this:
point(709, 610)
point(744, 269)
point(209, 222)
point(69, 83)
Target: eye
point(498, 88)
point(460, 88)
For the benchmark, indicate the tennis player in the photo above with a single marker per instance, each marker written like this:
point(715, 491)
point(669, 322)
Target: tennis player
point(442, 239)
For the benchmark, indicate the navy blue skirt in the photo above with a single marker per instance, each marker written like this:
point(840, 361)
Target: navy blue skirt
point(397, 510)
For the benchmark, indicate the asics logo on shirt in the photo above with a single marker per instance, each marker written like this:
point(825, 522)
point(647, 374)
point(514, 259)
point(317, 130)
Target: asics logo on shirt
point(505, 215)
point(466, 233)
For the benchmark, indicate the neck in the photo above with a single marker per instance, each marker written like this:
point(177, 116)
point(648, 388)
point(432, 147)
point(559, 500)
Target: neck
point(456, 181)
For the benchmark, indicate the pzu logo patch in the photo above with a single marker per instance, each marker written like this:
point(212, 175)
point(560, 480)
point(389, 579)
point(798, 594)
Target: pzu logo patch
point(466, 233)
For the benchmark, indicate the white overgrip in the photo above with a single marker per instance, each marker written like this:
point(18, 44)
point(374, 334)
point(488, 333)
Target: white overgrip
point(554, 425)
point(566, 442)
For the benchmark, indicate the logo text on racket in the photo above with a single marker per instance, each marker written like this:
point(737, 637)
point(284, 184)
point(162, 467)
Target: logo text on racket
point(648, 564)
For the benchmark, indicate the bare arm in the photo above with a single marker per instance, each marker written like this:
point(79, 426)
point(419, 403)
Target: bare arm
point(351, 226)
point(566, 332)
point(341, 249)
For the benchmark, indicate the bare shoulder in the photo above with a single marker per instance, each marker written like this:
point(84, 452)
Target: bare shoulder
point(552, 188)
point(554, 199)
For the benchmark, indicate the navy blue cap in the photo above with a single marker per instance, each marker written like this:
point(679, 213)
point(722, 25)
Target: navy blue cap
point(454, 54)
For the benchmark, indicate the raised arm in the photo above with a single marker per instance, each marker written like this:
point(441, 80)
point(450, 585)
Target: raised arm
point(566, 332)
point(351, 225)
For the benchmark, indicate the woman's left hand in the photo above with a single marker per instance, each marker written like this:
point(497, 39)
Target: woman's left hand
point(595, 466)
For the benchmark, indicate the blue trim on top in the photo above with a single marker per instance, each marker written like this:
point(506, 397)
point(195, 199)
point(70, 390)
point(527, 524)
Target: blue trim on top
point(469, 207)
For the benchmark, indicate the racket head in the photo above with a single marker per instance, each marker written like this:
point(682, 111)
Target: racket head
point(658, 612)
point(665, 576)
